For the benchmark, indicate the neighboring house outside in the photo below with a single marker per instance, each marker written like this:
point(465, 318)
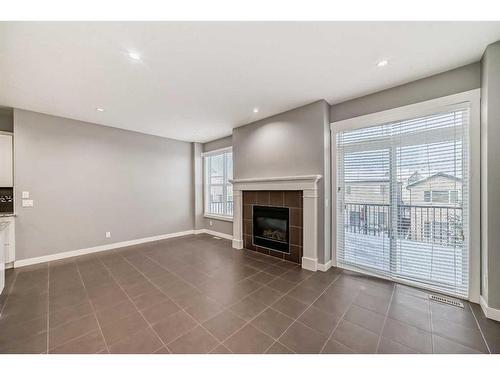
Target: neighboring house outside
point(367, 206)
point(433, 208)
point(430, 208)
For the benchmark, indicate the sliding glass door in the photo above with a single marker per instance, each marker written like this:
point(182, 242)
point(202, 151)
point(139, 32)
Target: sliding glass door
point(365, 198)
point(402, 193)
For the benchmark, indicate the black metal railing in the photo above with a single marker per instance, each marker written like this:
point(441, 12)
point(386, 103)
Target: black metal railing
point(441, 225)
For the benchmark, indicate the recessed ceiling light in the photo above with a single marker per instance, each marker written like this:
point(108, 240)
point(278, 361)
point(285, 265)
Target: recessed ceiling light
point(134, 55)
point(255, 110)
point(99, 109)
point(382, 63)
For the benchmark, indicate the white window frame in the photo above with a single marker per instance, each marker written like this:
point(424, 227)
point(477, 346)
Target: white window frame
point(422, 109)
point(206, 186)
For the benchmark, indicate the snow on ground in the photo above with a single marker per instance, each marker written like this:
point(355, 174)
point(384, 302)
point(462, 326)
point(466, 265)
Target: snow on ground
point(413, 260)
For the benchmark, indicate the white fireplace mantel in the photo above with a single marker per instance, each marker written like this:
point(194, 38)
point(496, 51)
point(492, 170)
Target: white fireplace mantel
point(309, 186)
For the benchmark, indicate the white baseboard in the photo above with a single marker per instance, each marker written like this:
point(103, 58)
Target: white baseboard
point(96, 249)
point(214, 233)
point(310, 264)
point(490, 312)
point(325, 267)
point(237, 244)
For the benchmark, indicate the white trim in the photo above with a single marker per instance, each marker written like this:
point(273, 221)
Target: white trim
point(218, 217)
point(96, 249)
point(237, 244)
point(421, 109)
point(406, 112)
point(475, 196)
point(206, 186)
point(307, 183)
point(490, 312)
point(217, 152)
point(116, 245)
point(214, 233)
point(219, 234)
point(325, 267)
point(309, 186)
point(310, 264)
point(314, 177)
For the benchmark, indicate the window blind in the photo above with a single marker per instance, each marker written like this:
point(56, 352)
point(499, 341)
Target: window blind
point(402, 200)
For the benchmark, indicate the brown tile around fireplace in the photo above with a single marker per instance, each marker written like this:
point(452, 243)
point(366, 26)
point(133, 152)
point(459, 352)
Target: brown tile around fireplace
point(290, 199)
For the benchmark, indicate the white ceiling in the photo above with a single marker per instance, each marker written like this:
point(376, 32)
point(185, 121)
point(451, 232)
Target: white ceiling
point(198, 80)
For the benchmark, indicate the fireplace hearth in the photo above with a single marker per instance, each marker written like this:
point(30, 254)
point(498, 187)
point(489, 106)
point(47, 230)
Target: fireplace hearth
point(271, 228)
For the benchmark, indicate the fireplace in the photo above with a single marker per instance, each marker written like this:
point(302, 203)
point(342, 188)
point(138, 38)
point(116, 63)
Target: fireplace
point(271, 228)
point(299, 194)
point(272, 223)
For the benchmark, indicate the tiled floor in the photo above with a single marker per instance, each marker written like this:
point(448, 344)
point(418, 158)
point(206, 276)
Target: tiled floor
point(197, 295)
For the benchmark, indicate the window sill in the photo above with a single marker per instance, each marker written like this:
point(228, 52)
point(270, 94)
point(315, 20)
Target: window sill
point(218, 217)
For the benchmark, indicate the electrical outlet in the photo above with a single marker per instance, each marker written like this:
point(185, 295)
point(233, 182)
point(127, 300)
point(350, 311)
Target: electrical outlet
point(27, 203)
point(210, 222)
point(108, 234)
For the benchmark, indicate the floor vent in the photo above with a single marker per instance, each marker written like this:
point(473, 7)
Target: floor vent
point(446, 300)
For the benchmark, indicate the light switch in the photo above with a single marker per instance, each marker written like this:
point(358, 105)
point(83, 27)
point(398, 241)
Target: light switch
point(26, 194)
point(27, 203)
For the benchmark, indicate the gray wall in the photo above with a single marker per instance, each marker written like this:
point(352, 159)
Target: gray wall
point(451, 82)
point(6, 120)
point(87, 179)
point(198, 186)
point(490, 175)
point(289, 144)
point(218, 143)
point(221, 226)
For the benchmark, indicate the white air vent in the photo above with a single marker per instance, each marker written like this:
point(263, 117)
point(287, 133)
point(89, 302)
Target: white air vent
point(446, 300)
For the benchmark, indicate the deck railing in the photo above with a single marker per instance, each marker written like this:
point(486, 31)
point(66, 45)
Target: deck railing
point(218, 208)
point(425, 223)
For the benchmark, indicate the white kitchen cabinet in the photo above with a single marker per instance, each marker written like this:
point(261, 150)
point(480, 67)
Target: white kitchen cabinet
point(9, 241)
point(3, 225)
point(6, 176)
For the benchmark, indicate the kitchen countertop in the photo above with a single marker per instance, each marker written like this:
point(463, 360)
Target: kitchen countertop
point(7, 215)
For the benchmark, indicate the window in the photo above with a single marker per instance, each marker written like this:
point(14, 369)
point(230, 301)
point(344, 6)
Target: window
point(440, 196)
point(218, 189)
point(386, 228)
point(427, 196)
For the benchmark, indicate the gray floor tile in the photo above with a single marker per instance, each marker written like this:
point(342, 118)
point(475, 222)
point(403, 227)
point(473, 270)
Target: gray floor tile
point(249, 340)
point(226, 296)
point(302, 339)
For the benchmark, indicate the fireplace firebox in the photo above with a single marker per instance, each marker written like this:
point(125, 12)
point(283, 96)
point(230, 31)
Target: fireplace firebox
point(271, 228)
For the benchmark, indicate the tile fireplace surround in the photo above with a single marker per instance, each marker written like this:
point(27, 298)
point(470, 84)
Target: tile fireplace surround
point(291, 199)
point(307, 186)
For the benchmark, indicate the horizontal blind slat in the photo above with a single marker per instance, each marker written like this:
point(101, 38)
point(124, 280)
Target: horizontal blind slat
point(402, 200)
